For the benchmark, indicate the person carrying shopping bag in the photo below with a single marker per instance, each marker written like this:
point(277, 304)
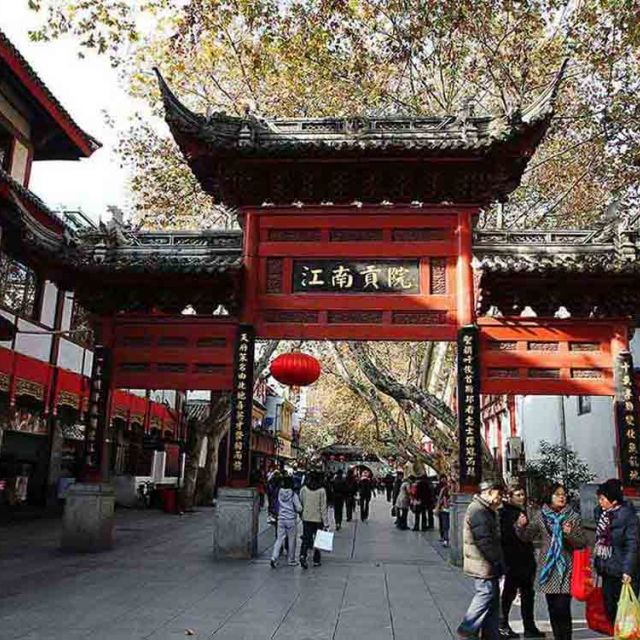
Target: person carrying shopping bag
point(289, 507)
point(313, 497)
point(559, 528)
point(615, 553)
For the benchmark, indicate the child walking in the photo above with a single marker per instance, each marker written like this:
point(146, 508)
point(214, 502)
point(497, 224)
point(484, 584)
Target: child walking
point(289, 507)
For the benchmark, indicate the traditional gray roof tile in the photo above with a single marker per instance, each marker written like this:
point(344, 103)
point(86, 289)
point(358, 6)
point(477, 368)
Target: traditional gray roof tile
point(252, 136)
point(559, 251)
point(117, 249)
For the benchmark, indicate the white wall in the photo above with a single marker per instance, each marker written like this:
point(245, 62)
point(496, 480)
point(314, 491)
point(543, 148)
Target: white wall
point(591, 435)
point(36, 346)
point(67, 310)
point(70, 356)
point(49, 300)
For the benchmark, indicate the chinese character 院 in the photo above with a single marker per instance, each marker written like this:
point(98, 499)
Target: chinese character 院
point(397, 277)
point(311, 277)
point(371, 274)
point(342, 278)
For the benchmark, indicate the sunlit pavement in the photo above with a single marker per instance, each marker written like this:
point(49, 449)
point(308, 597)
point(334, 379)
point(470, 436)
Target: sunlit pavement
point(160, 582)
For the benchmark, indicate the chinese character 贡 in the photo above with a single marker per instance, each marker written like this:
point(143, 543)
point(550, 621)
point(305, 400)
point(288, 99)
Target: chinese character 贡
point(311, 277)
point(341, 277)
point(397, 277)
point(371, 274)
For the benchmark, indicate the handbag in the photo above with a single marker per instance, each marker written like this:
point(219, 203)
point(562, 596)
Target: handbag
point(323, 541)
point(597, 619)
point(581, 578)
point(627, 625)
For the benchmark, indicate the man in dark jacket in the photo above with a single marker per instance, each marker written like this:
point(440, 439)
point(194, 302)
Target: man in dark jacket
point(350, 497)
point(365, 490)
point(520, 566)
point(425, 504)
point(483, 561)
point(615, 551)
point(388, 485)
point(339, 491)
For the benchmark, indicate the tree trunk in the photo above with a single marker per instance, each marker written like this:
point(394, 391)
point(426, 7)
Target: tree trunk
point(192, 458)
point(208, 476)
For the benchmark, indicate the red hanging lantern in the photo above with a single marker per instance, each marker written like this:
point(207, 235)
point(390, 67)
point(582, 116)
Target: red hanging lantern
point(295, 369)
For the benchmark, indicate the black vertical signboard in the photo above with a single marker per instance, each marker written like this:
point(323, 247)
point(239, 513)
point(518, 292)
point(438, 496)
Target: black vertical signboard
point(469, 407)
point(96, 421)
point(626, 412)
point(241, 406)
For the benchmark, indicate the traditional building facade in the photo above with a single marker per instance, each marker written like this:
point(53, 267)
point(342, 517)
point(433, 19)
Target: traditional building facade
point(544, 272)
point(45, 367)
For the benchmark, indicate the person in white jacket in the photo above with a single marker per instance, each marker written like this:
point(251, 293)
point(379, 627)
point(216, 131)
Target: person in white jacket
point(289, 506)
point(314, 516)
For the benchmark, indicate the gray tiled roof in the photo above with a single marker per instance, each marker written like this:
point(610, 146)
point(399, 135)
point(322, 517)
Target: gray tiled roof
point(252, 136)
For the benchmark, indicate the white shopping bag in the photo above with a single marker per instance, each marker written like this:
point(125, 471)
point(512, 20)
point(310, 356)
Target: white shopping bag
point(324, 541)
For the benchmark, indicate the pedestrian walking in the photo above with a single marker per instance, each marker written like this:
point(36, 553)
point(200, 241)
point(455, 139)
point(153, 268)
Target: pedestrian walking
point(350, 498)
point(314, 516)
point(520, 566)
point(339, 497)
point(402, 504)
point(615, 553)
point(442, 509)
point(273, 489)
point(424, 504)
point(388, 485)
point(397, 483)
point(483, 562)
point(559, 528)
point(289, 507)
point(365, 490)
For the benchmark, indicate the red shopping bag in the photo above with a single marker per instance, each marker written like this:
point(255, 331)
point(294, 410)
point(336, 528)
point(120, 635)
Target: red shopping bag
point(581, 580)
point(596, 613)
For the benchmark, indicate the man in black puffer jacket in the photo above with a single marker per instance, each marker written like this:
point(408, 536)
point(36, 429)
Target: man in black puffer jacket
point(520, 566)
point(616, 547)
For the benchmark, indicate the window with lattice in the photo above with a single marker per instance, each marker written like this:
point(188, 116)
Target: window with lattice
point(81, 331)
point(18, 287)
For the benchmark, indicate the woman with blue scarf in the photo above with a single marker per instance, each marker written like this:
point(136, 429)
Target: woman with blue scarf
point(559, 528)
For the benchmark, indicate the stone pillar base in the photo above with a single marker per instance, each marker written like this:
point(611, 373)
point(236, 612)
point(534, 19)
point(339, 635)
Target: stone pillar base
point(459, 504)
point(235, 523)
point(88, 522)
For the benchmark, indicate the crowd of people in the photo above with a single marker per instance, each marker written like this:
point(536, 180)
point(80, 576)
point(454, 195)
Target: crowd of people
point(308, 496)
point(419, 496)
point(506, 542)
point(500, 536)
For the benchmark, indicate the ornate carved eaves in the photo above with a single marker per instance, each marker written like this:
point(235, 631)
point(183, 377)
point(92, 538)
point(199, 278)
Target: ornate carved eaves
point(248, 161)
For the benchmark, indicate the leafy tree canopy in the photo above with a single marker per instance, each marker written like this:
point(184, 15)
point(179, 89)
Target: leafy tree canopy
point(332, 57)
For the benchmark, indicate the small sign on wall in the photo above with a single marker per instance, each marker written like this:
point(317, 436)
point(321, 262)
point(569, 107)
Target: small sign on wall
point(241, 404)
point(627, 420)
point(469, 407)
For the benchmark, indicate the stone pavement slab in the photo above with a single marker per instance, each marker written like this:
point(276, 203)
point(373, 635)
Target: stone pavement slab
point(161, 583)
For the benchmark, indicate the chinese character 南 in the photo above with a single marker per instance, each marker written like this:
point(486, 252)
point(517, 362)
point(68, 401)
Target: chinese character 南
point(371, 273)
point(311, 277)
point(341, 277)
point(397, 277)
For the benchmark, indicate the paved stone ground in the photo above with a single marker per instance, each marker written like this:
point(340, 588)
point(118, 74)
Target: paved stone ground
point(160, 581)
